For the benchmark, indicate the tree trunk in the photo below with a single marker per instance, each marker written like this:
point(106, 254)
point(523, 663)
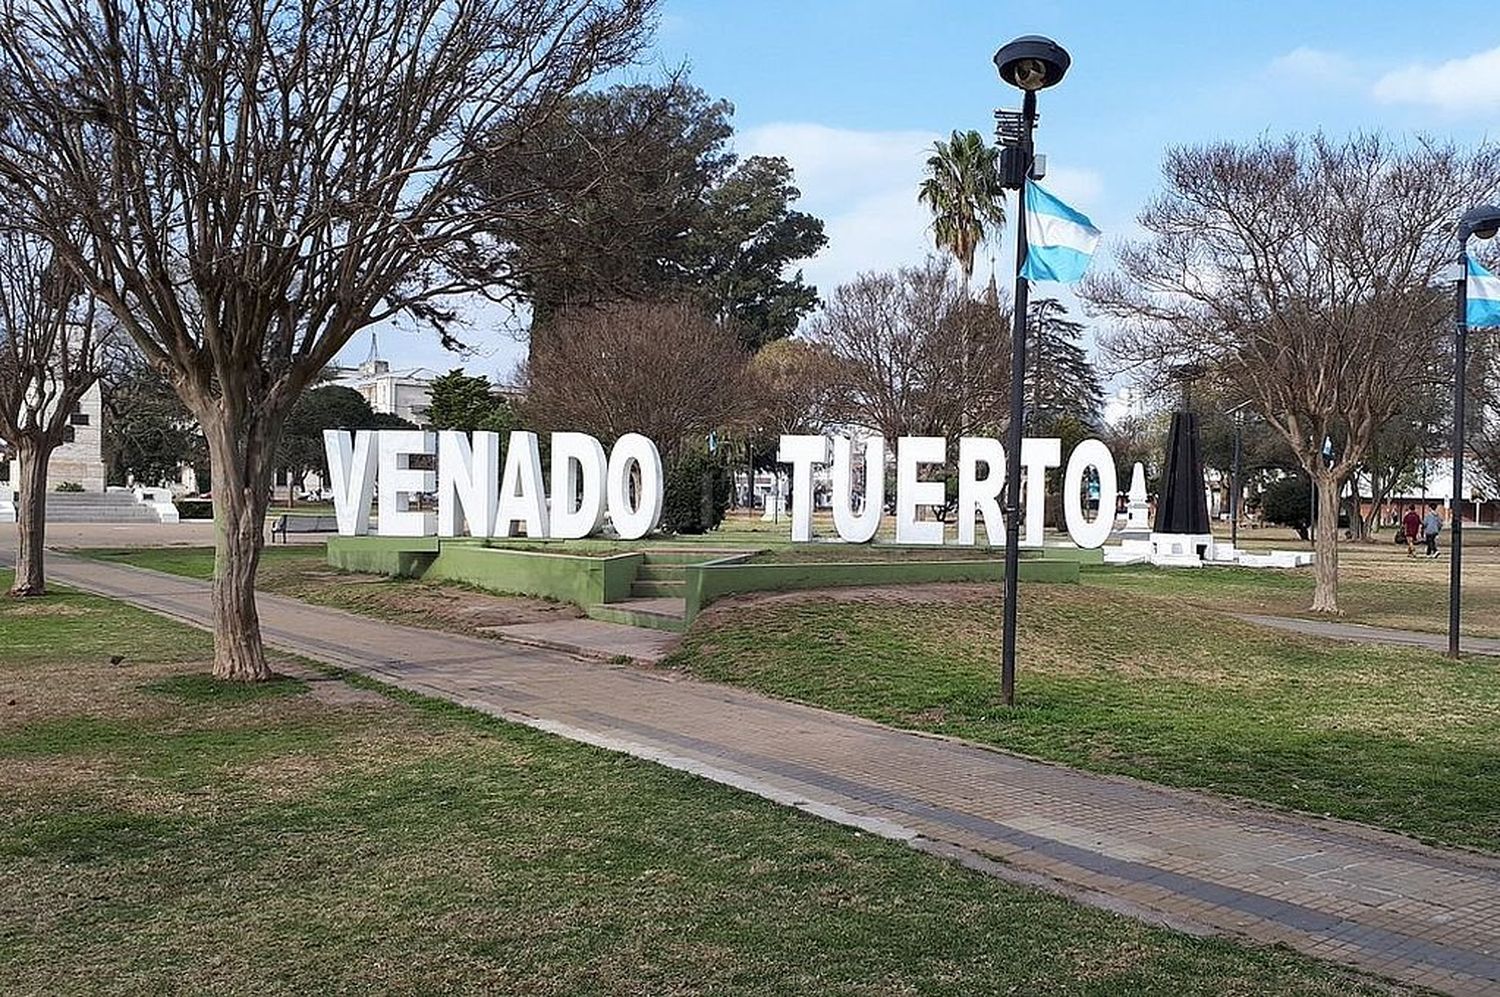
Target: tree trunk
point(1326, 545)
point(241, 494)
point(31, 519)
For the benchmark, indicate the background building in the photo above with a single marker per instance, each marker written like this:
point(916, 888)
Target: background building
point(404, 393)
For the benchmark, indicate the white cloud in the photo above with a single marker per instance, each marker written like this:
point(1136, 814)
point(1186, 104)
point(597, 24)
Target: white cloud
point(1312, 65)
point(1457, 86)
point(863, 184)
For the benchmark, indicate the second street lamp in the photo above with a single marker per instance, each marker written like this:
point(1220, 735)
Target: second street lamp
point(1030, 63)
point(1481, 222)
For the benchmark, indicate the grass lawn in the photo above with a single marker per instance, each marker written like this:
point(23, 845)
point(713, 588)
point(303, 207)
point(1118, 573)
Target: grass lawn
point(1378, 586)
point(1136, 671)
point(1119, 681)
point(159, 832)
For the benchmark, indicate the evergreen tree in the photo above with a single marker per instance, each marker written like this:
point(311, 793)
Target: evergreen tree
point(644, 200)
point(461, 401)
point(1061, 383)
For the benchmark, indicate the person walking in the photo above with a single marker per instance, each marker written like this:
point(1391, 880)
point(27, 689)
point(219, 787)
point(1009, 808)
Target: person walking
point(1432, 525)
point(1411, 525)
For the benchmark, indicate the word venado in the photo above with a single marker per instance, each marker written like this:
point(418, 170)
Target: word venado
point(477, 495)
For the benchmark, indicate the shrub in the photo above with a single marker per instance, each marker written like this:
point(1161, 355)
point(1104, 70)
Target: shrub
point(697, 494)
point(195, 509)
point(69, 486)
point(1285, 503)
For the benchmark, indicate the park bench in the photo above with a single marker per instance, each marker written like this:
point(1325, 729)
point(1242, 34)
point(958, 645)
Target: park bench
point(286, 523)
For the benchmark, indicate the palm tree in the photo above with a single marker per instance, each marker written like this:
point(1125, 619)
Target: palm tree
point(963, 190)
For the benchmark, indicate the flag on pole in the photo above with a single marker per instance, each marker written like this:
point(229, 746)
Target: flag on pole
point(1483, 298)
point(1059, 241)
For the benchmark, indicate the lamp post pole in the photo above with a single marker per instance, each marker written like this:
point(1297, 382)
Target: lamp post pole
point(1456, 502)
point(1483, 222)
point(1234, 495)
point(1030, 63)
point(1025, 150)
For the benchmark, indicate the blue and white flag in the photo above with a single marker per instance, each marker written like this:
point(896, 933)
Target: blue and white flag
point(1059, 241)
point(1483, 305)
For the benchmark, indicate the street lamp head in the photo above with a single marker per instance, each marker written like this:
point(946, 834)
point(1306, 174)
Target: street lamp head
point(1483, 221)
point(1032, 62)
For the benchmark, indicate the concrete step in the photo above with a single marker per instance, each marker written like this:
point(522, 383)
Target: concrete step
point(97, 507)
point(77, 517)
point(666, 558)
point(685, 555)
point(645, 588)
point(654, 614)
point(661, 572)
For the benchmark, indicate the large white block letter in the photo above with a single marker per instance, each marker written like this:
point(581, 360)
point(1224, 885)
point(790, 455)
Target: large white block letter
point(1036, 456)
point(911, 453)
point(468, 482)
point(351, 470)
point(858, 528)
point(1089, 453)
point(633, 521)
point(523, 496)
point(802, 452)
point(978, 495)
point(400, 483)
point(578, 470)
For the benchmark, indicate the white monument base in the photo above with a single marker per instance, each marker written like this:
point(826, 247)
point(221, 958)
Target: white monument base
point(159, 501)
point(7, 506)
point(1180, 550)
point(1276, 559)
point(1130, 551)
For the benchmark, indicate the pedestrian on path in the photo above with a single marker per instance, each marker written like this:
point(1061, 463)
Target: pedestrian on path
point(1432, 525)
point(1411, 525)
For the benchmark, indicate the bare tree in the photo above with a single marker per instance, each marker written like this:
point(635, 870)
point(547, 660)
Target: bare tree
point(257, 182)
point(1484, 407)
point(658, 368)
point(795, 387)
point(49, 358)
point(919, 356)
point(1305, 275)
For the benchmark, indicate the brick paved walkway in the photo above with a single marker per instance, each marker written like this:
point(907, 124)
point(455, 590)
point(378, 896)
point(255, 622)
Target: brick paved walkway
point(1373, 900)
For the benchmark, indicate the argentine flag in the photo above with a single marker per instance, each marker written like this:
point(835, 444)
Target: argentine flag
point(1483, 298)
point(1059, 241)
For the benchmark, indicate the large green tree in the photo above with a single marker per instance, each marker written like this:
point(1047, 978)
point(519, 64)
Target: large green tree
point(331, 406)
point(148, 433)
point(633, 194)
point(963, 191)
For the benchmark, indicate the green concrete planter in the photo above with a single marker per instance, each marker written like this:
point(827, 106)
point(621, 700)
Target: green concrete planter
point(708, 582)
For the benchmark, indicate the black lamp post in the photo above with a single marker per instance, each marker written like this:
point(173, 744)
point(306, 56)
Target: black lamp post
point(1236, 490)
point(1029, 63)
point(1483, 222)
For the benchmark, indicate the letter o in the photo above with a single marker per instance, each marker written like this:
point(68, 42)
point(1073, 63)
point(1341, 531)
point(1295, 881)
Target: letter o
point(634, 522)
point(1089, 453)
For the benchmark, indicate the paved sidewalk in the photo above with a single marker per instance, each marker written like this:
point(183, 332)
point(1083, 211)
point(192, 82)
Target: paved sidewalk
point(1376, 901)
point(1360, 634)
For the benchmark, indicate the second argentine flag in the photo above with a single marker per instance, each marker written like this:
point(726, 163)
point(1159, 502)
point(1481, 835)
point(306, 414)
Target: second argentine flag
point(1483, 298)
point(1060, 241)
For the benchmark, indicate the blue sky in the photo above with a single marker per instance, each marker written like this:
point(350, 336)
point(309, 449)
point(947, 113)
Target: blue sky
point(854, 91)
